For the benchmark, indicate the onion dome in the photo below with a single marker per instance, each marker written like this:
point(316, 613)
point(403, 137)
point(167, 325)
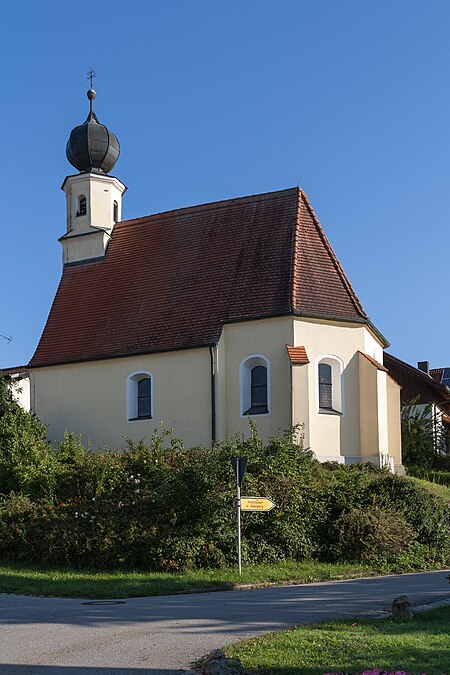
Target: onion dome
point(91, 146)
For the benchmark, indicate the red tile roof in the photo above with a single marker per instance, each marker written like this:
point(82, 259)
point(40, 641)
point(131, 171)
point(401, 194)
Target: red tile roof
point(14, 370)
point(171, 280)
point(297, 355)
point(415, 382)
point(436, 374)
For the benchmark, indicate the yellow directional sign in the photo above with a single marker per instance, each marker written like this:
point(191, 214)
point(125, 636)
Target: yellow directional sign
point(256, 504)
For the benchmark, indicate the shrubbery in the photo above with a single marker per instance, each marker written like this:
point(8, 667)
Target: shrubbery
point(164, 507)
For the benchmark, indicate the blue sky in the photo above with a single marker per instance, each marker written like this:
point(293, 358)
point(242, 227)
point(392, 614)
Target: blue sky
point(210, 100)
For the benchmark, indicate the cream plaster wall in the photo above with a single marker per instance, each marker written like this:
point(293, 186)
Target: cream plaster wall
point(101, 192)
point(331, 436)
point(268, 337)
point(90, 398)
point(383, 432)
point(20, 386)
point(368, 396)
point(92, 244)
point(394, 417)
point(300, 400)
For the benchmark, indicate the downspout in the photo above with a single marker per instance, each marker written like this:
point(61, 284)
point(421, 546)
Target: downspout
point(212, 355)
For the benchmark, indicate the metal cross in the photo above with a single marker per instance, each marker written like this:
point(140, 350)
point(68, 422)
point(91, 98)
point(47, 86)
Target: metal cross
point(91, 74)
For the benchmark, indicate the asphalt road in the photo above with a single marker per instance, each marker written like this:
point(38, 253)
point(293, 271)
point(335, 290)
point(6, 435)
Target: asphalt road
point(158, 636)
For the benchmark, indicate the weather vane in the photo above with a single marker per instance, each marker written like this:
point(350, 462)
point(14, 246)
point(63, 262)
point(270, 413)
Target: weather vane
point(91, 74)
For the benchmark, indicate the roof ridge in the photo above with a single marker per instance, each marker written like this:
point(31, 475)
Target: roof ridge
point(294, 256)
point(348, 287)
point(205, 205)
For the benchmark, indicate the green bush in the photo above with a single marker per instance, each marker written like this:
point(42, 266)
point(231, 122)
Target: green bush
point(428, 516)
point(372, 532)
point(27, 463)
point(165, 507)
point(433, 475)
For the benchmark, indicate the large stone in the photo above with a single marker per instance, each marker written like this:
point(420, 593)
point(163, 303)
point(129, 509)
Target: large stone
point(401, 608)
point(216, 663)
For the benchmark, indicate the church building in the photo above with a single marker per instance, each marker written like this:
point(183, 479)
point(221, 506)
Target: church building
point(200, 317)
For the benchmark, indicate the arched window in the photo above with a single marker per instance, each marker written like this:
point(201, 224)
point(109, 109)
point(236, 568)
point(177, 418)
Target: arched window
point(329, 384)
point(81, 206)
point(254, 374)
point(258, 397)
point(116, 212)
point(325, 387)
point(139, 396)
point(144, 397)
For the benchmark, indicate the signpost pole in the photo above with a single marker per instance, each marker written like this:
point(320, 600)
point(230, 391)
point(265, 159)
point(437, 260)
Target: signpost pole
point(239, 465)
point(239, 527)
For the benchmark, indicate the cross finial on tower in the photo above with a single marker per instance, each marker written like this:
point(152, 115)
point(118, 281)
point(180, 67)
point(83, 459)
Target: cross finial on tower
point(90, 75)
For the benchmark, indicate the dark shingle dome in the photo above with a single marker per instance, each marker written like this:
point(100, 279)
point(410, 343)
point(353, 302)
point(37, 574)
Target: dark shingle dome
point(91, 146)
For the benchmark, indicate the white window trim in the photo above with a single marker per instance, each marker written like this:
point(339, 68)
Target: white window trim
point(131, 396)
point(337, 368)
point(245, 368)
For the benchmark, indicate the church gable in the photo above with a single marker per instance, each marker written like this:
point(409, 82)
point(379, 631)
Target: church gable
point(320, 286)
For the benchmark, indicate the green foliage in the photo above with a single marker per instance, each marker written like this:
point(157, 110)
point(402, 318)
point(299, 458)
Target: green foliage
point(432, 475)
point(366, 534)
point(419, 440)
point(166, 507)
point(7, 402)
point(442, 463)
point(428, 516)
point(27, 463)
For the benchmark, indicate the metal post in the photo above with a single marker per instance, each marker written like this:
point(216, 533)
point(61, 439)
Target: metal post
point(239, 527)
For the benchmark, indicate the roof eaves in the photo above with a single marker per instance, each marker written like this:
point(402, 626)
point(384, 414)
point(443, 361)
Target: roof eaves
point(442, 389)
point(108, 357)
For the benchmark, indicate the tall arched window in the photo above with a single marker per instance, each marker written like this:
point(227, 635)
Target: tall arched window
point(116, 212)
point(258, 397)
point(329, 384)
point(144, 398)
point(139, 396)
point(81, 206)
point(325, 386)
point(254, 376)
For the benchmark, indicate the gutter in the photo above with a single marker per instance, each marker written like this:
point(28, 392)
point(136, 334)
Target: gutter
point(213, 355)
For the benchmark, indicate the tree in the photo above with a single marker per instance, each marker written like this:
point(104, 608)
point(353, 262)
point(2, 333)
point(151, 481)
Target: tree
point(7, 401)
point(419, 436)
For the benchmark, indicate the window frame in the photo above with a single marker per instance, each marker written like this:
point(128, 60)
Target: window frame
point(132, 396)
point(337, 384)
point(245, 385)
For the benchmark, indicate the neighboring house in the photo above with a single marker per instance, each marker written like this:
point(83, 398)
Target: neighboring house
point(203, 316)
point(429, 388)
point(19, 377)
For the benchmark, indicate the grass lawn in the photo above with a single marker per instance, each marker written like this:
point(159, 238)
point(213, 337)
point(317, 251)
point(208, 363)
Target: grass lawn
point(33, 580)
point(420, 645)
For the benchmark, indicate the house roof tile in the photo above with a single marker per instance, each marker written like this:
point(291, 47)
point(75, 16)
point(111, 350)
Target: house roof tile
point(297, 355)
point(171, 280)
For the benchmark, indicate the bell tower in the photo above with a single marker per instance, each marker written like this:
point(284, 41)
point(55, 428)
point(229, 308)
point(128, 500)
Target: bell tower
point(93, 198)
